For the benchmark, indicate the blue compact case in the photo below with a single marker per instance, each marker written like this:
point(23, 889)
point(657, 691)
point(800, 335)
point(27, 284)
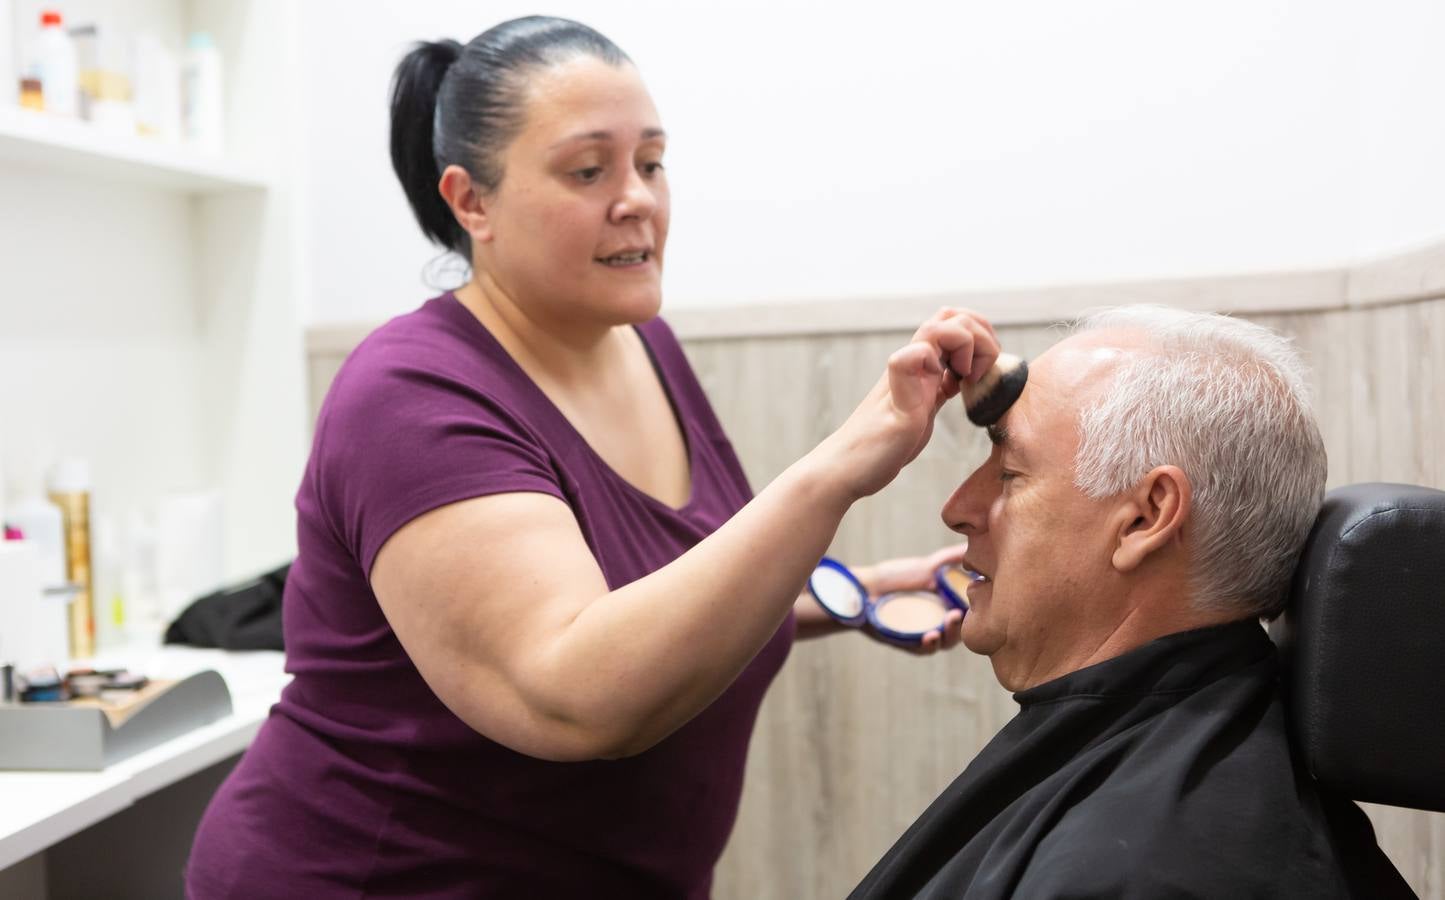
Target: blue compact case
point(902, 617)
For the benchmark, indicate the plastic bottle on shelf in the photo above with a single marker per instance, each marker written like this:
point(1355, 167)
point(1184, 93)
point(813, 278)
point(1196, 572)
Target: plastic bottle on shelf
point(138, 582)
point(59, 69)
point(157, 89)
point(86, 39)
point(40, 522)
point(105, 89)
point(110, 611)
point(32, 96)
point(202, 96)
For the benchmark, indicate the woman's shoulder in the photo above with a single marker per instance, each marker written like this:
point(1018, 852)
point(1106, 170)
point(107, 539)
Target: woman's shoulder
point(439, 334)
point(434, 358)
point(439, 340)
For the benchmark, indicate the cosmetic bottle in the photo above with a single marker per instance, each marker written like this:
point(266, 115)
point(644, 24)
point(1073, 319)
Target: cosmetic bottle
point(39, 521)
point(202, 96)
point(59, 70)
point(70, 490)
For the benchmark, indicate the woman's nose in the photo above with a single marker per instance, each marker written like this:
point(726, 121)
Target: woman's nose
point(637, 200)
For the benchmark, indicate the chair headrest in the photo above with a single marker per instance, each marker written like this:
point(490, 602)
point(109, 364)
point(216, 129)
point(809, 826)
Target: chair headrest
point(1362, 643)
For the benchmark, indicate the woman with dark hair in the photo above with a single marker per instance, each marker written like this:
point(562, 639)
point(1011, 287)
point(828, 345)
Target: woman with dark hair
point(536, 605)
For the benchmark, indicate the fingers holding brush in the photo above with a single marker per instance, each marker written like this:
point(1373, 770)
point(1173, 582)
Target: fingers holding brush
point(966, 342)
point(968, 346)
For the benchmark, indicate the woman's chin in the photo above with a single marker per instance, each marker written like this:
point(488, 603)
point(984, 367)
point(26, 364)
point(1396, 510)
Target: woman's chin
point(639, 307)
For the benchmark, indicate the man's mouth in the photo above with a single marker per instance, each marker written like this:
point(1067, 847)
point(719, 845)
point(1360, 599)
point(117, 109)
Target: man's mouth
point(626, 258)
point(973, 573)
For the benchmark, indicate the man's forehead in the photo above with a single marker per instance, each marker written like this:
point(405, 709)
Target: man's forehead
point(1060, 382)
point(1080, 363)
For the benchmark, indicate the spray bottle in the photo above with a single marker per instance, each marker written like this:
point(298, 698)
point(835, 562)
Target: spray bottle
point(70, 490)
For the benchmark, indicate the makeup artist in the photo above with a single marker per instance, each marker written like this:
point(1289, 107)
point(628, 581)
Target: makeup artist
point(536, 605)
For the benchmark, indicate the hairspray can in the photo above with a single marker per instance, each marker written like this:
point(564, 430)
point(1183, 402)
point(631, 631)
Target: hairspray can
point(70, 490)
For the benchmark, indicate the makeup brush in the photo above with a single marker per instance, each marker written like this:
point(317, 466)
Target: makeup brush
point(989, 398)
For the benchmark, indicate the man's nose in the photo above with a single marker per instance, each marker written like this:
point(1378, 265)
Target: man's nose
point(966, 512)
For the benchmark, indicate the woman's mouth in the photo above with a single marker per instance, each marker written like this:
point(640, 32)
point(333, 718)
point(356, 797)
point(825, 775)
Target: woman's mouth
point(625, 259)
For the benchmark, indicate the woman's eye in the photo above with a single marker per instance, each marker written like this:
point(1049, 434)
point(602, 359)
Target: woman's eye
point(651, 168)
point(588, 175)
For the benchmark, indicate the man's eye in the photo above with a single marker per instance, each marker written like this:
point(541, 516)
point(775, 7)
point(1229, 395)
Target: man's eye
point(651, 169)
point(588, 175)
point(1005, 475)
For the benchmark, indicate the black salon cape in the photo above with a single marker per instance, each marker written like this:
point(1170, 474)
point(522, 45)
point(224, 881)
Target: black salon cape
point(1164, 772)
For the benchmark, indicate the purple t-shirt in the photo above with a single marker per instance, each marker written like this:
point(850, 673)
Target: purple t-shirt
point(361, 782)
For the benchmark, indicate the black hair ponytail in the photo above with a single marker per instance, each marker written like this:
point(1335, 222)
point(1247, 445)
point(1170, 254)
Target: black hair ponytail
point(414, 92)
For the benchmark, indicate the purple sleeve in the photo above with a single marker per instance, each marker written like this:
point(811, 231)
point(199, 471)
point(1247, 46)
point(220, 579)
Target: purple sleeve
point(394, 442)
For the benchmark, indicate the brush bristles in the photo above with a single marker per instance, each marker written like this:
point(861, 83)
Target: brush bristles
point(990, 397)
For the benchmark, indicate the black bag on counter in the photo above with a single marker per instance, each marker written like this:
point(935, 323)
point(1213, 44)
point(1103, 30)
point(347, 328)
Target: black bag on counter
point(245, 617)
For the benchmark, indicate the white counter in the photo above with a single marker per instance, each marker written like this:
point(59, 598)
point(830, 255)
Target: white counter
point(39, 809)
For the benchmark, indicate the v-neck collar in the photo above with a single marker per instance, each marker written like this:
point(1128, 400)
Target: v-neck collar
point(545, 403)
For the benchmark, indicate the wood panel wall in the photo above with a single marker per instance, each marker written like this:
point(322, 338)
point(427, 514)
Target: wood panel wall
point(855, 739)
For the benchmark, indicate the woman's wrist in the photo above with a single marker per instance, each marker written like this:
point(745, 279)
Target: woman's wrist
point(819, 482)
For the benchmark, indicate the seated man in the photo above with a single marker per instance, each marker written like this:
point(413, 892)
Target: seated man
point(1144, 505)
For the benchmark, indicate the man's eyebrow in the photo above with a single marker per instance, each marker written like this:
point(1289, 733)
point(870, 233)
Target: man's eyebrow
point(648, 134)
point(1005, 440)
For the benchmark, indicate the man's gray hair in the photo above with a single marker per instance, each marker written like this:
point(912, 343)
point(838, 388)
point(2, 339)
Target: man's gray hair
point(1226, 401)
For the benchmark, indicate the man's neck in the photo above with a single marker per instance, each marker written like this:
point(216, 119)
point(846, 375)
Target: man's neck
point(1141, 622)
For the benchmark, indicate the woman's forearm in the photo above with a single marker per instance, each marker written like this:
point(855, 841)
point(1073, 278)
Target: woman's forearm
point(812, 621)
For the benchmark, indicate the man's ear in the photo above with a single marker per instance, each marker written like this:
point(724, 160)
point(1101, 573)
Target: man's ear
point(467, 204)
point(1152, 516)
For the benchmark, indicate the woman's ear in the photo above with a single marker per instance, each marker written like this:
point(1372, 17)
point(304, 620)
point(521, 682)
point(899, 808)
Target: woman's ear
point(466, 202)
point(1152, 516)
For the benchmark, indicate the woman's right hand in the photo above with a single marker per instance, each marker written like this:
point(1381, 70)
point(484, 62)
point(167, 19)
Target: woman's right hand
point(894, 422)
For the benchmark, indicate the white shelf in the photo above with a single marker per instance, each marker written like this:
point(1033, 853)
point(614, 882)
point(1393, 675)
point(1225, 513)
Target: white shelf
point(70, 147)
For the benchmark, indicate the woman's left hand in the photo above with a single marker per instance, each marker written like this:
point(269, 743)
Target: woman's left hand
point(912, 573)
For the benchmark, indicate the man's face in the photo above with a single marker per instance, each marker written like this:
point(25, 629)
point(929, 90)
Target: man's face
point(1046, 547)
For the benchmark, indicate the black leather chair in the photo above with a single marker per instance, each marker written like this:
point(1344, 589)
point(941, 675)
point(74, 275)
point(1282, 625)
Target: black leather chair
point(1363, 646)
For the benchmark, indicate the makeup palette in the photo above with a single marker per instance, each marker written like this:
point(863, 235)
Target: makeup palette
point(903, 617)
point(953, 581)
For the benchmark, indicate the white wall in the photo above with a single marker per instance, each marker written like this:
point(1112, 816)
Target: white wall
point(97, 326)
point(1399, 120)
point(823, 150)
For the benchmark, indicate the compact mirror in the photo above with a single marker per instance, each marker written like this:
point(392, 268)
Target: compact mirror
point(838, 591)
